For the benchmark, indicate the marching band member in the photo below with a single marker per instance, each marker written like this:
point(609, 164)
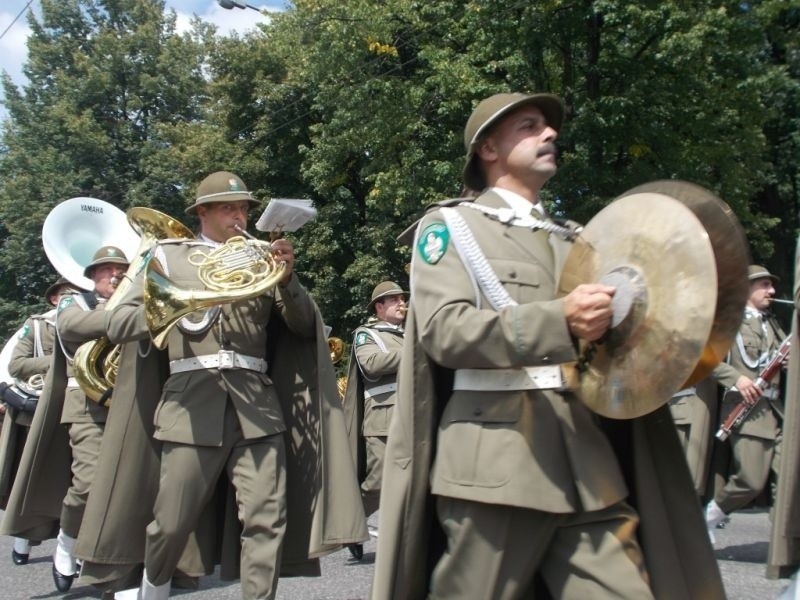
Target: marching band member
point(530, 487)
point(372, 389)
point(29, 362)
point(755, 445)
point(49, 497)
point(80, 319)
point(221, 409)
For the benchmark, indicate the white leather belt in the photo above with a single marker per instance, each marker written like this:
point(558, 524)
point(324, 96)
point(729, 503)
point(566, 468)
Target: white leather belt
point(380, 389)
point(525, 378)
point(72, 383)
point(686, 392)
point(222, 360)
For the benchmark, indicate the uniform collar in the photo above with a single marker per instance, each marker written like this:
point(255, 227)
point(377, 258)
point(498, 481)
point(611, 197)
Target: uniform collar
point(753, 313)
point(522, 206)
point(385, 325)
point(204, 238)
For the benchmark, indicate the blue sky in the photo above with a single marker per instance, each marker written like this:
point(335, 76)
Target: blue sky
point(13, 50)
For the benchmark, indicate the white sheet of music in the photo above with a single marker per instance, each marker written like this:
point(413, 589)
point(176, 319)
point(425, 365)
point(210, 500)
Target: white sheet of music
point(286, 214)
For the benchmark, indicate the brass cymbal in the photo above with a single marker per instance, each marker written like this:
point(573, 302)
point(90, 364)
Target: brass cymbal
point(657, 254)
point(731, 256)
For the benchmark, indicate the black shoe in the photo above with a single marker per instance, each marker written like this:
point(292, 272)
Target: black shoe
point(19, 559)
point(63, 582)
point(357, 550)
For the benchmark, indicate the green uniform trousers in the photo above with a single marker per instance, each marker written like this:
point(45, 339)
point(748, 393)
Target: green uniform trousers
point(371, 486)
point(84, 440)
point(189, 475)
point(752, 460)
point(494, 552)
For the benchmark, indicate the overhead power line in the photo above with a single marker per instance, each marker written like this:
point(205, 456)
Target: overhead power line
point(10, 25)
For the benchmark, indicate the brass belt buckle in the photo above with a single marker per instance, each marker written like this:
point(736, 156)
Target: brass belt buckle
point(226, 359)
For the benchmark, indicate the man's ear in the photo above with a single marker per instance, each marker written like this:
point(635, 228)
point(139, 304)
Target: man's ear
point(486, 149)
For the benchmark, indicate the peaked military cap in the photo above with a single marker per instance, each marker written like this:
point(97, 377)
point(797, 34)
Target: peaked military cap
point(490, 111)
point(222, 186)
point(106, 254)
point(757, 272)
point(385, 288)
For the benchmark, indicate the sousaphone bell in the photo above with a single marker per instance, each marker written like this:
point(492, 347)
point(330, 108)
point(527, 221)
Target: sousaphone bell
point(678, 258)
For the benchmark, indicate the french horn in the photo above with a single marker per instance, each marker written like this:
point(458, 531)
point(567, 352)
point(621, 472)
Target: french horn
point(241, 268)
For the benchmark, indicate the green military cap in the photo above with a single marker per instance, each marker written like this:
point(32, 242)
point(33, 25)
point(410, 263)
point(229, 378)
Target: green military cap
point(757, 272)
point(385, 288)
point(490, 111)
point(222, 186)
point(55, 287)
point(106, 254)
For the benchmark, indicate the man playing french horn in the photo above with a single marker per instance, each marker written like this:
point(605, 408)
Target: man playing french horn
point(219, 410)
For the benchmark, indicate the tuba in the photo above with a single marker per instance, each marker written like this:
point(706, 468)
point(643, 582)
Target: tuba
point(96, 363)
point(240, 269)
point(72, 232)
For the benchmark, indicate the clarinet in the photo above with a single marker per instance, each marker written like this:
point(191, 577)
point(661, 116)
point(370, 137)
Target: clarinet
point(743, 408)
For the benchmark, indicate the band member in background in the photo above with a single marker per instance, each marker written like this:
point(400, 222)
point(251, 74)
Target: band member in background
point(372, 389)
point(219, 410)
point(81, 318)
point(527, 483)
point(29, 363)
point(49, 494)
point(755, 445)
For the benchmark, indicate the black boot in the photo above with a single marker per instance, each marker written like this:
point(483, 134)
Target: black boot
point(357, 550)
point(19, 559)
point(63, 582)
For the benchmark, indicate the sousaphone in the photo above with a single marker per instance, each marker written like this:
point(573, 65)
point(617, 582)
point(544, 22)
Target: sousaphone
point(678, 258)
point(76, 228)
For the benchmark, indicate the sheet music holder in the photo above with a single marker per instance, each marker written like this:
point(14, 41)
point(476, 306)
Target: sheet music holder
point(286, 214)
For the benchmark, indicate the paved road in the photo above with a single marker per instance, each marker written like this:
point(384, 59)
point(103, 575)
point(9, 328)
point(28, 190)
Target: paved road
point(741, 550)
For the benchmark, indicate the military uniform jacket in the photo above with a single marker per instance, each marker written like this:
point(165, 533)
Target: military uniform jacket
point(677, 551)
point(193, 402)
point(378, 347)
point(528, 448)
point(26, 361)
point(78, 322)
point(754, 345)
point(32, 353)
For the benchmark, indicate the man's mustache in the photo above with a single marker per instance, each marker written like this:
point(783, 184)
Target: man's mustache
point(547, 148)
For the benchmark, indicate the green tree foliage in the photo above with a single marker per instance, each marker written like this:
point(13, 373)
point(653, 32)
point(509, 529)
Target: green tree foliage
point(360, 105)
point(105, 77)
